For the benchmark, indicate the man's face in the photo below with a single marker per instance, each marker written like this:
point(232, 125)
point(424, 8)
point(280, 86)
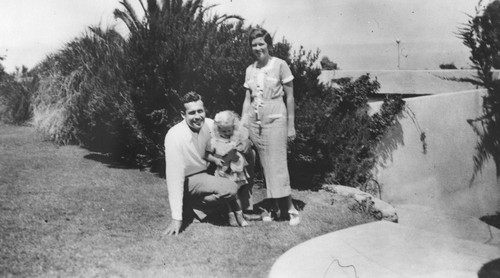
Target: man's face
point(194, 115)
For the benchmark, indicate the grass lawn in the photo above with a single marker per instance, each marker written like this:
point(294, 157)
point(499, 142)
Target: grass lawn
point(63, 213)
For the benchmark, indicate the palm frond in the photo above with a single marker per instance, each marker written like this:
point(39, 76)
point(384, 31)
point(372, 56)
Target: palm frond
point(123, 16)
point(479, 35)
point(129, 16)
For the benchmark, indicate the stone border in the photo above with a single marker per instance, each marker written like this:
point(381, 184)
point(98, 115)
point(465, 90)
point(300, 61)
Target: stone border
point(374, 206)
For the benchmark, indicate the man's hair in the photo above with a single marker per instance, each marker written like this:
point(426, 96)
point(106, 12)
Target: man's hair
point(190, 97)
point(260, 33)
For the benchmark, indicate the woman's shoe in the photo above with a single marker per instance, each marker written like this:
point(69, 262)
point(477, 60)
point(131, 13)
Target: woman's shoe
point(232, 220)
point(241, 221)
point(294, 217)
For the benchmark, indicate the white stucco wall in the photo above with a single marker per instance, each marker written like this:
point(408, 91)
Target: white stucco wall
point(440, 177)
point(418, 82)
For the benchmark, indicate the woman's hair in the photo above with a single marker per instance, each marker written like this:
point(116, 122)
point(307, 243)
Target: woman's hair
point(260, 33)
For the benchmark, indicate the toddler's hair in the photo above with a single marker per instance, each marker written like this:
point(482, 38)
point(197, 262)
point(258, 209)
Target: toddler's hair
point(227, 118)
point(230, 118)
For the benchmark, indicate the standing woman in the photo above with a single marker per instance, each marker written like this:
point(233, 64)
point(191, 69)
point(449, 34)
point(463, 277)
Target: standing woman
point(270, 121)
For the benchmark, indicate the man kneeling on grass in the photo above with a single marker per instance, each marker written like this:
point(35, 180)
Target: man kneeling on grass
point(190, 187)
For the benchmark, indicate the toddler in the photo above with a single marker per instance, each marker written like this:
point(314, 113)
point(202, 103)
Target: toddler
point(229, 138)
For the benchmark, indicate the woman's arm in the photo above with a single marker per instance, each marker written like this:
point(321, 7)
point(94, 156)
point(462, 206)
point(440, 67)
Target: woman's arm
point(290, 108)
point(246, 108)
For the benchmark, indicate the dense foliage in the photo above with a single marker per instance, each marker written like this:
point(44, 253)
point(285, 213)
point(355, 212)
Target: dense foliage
point(120, 95)
point(15, 95)
point(178, 48)
point(482, 36)
point(83, 97)
point(337, 138)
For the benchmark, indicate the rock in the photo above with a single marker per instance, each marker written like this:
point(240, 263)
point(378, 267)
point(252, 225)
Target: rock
point(384, 211)
point(342, 190)
point(366, 202)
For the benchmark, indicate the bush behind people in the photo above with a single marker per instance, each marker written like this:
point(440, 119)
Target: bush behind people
point(118, 95)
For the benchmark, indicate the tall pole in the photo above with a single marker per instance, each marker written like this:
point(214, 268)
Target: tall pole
point(398, 41)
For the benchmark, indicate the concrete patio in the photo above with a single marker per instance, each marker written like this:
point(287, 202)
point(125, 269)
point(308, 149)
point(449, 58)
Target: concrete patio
point(423, 244)
point(425, 171)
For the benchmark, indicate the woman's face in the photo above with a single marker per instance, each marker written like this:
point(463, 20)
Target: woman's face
point(260, 48)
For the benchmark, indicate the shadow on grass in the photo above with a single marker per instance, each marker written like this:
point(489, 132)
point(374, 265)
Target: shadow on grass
point(268, 205)
point(217, 218)
point(112, 162)
point(156, 167)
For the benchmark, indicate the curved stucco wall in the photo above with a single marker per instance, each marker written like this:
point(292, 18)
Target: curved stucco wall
point(413, 82)
point(439, 176)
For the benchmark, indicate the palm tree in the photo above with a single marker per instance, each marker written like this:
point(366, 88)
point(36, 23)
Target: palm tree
point(170, 13)
point(481, 35)
point(173, 48)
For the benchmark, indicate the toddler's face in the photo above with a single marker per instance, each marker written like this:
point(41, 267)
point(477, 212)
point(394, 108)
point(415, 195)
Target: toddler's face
point(225, 131)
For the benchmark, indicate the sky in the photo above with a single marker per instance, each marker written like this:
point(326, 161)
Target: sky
point(356, 34)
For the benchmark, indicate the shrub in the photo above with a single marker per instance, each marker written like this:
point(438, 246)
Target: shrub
point(178, 48)
point(83, 96)
point(15, 97)
point(120, 96)
point(336, 137)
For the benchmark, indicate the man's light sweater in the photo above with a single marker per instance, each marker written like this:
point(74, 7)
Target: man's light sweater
point(184, 156)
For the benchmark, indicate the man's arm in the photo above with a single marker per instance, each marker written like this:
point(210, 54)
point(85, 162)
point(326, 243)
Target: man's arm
point(174, 228)
point(175, 182)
